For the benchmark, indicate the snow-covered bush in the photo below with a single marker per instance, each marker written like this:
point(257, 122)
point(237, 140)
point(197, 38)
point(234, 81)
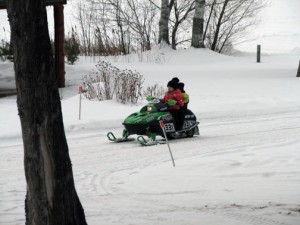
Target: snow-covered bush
point(109, 82)
point(129, 86)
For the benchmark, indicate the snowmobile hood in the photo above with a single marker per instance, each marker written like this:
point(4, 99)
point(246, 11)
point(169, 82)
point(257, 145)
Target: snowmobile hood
point(147, 115)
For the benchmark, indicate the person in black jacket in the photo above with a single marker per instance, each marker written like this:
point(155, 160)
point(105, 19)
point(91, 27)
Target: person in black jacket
point(183, 108)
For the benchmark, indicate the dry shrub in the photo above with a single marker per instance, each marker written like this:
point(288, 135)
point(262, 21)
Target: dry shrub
point(109, 82)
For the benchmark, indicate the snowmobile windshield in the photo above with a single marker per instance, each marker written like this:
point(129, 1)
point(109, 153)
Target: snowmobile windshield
point(159, 105)
point(156, 105)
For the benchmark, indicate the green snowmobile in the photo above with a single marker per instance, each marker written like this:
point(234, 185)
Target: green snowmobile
point(146, 122)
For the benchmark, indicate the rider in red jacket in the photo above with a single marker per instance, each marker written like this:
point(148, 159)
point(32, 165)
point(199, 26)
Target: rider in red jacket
point(173, 99)
point(175, 95)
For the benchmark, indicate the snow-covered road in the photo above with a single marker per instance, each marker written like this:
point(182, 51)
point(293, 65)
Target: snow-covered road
point(239, 171)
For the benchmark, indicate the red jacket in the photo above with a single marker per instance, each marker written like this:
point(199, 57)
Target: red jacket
point(176, 95)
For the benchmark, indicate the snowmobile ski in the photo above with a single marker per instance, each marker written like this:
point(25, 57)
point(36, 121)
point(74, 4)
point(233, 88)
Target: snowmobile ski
point(190, 128)
point(113, 138)
point(187, 132)
point(149, 142)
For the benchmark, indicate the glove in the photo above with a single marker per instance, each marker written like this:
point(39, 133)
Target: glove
point(171, 102)
point(149, 98)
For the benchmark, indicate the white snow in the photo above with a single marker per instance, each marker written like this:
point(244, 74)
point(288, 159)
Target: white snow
point(242, 170)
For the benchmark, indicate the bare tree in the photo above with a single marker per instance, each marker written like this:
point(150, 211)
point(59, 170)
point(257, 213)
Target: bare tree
point(111, 36)
point(182, 11)
point(220, 18)
point(198, 21)
point(119, 27)
point(165, 11)
point(84, 15)
point(112, 27)
point(229, 22)
point(211, 9)
point(140, 17)
point(51, 197)
point(298, 73)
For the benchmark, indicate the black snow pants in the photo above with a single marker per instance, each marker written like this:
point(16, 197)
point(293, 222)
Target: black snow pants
point(182, 112)
point(175, 115)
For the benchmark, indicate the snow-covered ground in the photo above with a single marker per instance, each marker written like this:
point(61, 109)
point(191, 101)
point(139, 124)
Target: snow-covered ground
point(242, 170)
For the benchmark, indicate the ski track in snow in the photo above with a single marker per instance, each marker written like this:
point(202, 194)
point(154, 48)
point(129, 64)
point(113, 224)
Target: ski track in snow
point(109, 184)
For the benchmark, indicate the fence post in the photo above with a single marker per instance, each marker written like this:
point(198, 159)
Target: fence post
point(80, 92)
point(298, 73)
point(258, 53)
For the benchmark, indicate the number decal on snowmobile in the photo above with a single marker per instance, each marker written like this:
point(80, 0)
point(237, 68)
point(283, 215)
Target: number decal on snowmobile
point(169, 127)
point(188, 124)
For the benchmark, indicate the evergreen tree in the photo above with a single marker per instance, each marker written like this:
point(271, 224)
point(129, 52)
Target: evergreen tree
point(72, 48)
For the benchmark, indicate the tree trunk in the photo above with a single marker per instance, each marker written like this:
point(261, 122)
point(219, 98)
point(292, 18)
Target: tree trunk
point(174, 32)
point(298, 73)
point(120, 25)
point(216, 36)
point(164, 21)
point(197, 34)
point(51, 198)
